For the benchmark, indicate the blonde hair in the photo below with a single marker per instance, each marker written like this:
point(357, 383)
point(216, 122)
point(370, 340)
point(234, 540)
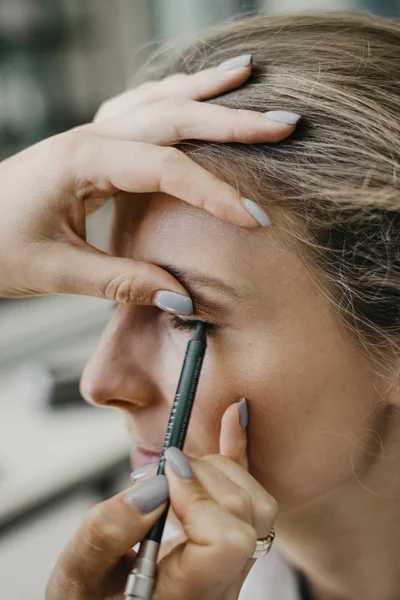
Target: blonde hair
point(338, 175)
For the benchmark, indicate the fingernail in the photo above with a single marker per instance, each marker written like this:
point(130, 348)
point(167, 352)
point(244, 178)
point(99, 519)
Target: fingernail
point(148, 495)
point(179, 463)
point(139, 473)
point(174, 75)
point(283, 116)
point(235, 63)
point(257, 212)
point(243, 413)
point(174, 303)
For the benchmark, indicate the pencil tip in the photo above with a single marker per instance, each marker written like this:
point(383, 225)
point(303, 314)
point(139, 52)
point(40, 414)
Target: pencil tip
point(199, 332)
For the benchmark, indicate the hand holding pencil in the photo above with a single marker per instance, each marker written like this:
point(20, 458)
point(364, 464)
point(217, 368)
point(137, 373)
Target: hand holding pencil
point(222, 510)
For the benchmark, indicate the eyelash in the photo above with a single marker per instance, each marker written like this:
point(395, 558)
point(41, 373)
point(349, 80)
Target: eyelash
point(182, 325)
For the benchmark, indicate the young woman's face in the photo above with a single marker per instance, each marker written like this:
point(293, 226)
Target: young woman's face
point(275, 341)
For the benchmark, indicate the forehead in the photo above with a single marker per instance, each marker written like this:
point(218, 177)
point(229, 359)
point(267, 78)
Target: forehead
point(162, 230)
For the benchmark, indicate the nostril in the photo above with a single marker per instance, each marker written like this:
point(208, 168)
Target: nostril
point(95, 393)
point(115, 379)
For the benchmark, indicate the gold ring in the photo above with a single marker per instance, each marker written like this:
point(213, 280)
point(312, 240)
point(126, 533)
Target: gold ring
point(263, 545)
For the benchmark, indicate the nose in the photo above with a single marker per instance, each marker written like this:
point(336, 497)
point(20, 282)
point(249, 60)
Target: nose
point(120, 372)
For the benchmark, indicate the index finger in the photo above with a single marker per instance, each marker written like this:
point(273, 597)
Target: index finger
point(111, 165)
point(112, 528)
point(202, 85)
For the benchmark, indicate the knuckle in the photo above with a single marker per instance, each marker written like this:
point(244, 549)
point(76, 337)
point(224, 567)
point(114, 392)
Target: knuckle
point(98, 532)
point(116, 105)
point(266, 512)
point(146, 92)
point(171, 106)
point(171, 112)
point(120, 289)
point(173, 579)
point(171, 158)
point(126, 289)
point(222, 209)
point(200, 509)
point(63, 146)
point(241, 539)
point(172, 171)
point(239, 122)
point(200, 497)
point(238, 504)
point(271, 507)
point(103, 111)
point(72, 147)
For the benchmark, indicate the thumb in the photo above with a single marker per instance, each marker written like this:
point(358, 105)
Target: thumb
point(87, 271)
point(109, 531)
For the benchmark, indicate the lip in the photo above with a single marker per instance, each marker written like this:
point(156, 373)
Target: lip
point(141, 457)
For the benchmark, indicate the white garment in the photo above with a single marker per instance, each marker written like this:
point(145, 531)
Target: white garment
point(271, 578)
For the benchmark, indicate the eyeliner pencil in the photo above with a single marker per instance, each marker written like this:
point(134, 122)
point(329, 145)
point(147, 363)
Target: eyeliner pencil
point(141, 579)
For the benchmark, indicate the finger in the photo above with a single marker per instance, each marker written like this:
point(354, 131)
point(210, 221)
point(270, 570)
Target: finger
point(233, 446)
point(81, 269)
point(218, 543)
point(233, 434)
point(112, 165)
point(168, 546)
point(264, 506)
point(170, 121)
point(199, 86)
point(144, 472)
point(206, 83)
point(111, 529)
point(224, 490)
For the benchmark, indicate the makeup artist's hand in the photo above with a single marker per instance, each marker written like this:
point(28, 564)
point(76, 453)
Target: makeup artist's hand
point(48, 190)
point(222, 509)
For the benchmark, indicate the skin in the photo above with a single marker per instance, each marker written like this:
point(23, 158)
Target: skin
point(48, 190)
point(42, 230)
point(312, 397)
point(318, 411)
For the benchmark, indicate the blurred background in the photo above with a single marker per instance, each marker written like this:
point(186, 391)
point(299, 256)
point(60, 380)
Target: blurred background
point(59, 59)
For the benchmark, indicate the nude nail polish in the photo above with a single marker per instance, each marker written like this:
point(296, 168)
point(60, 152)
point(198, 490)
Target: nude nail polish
point(142, 472)
point(243, 413)
point(236, 63)
point(148, 495)
point(283, 116)
point(257, 212)
point(179, 463)
point(174, 303)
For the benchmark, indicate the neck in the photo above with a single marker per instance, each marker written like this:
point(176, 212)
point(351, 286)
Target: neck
point(347, 544)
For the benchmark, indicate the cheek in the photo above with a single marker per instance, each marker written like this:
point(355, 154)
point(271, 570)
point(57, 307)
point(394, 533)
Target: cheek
point(220, 385)
point(309, 402)
point(213, 396)
point(310, 398)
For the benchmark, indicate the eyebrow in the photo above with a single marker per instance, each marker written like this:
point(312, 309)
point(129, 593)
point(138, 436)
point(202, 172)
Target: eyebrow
point(193, 278)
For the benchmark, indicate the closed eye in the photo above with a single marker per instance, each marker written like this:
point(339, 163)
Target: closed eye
point(183, 325)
